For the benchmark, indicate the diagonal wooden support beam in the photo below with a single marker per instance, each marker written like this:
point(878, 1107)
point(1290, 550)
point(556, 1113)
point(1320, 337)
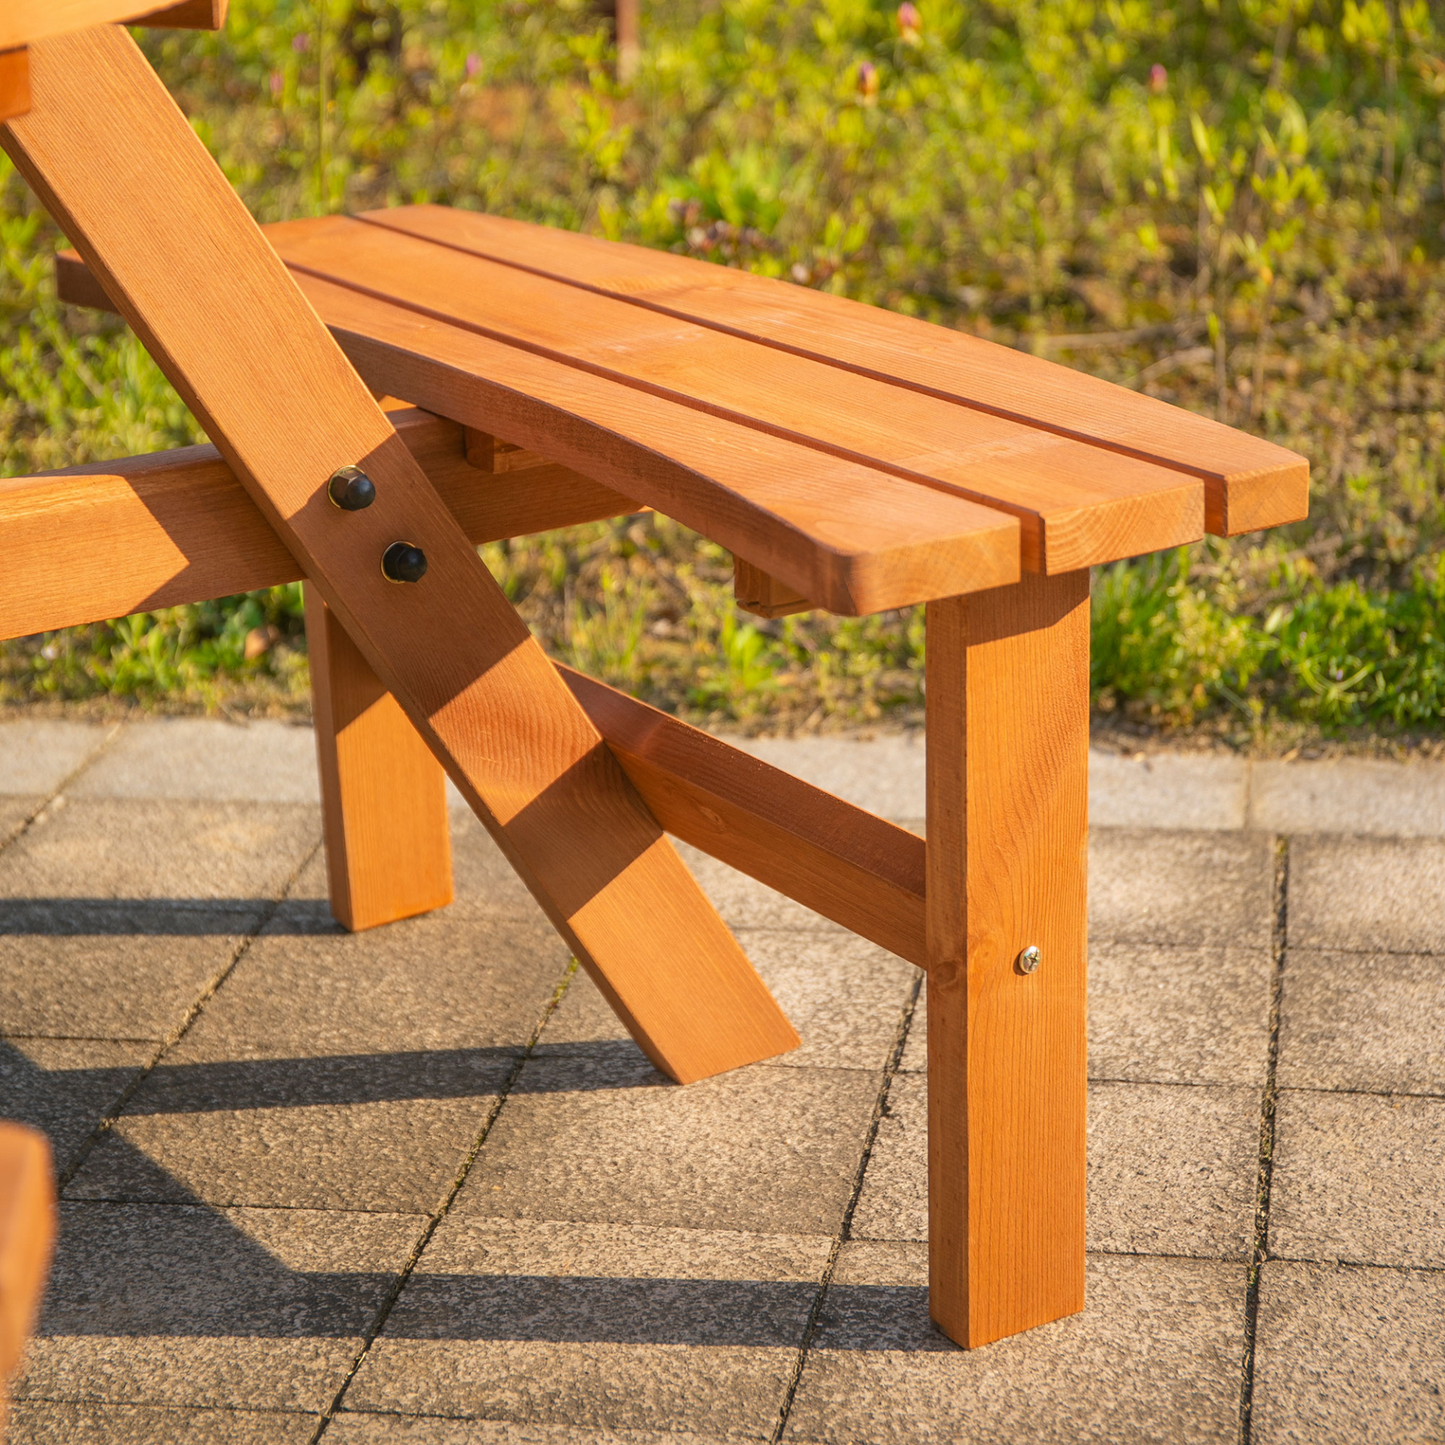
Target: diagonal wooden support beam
point(116, 164)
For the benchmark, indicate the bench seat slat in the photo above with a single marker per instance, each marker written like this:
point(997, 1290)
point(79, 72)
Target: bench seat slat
point(1077, 504)
point(848, 537)
point(1250, 483)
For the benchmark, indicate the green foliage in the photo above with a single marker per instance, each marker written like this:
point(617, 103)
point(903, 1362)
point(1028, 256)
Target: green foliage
point(1236, 205)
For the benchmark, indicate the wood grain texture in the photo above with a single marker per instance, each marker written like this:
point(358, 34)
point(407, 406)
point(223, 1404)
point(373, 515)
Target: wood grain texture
point(1249, 482)
point(763, 595)
point(111, 538)
point(852, 538)
point(25, 21)
point(845, 863)
point(114, 161)
point(491, 454)
point(1008, 744)
point(27, 1238)
point(14, 82)
point(383, 795)
point(1076, 504)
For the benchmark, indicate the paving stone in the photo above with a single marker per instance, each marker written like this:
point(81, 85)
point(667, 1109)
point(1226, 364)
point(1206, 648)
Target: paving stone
point(1349, 795)
point(1167, 790)
point(1370, 894)
point(1363, 1021)
point(374, 1429)
point(1171, 1170)
point(607, 1139)
point(1188, 888)
point(1153, 1357)
point(65, 1086)
point(93, 850)
point(121, 984)
point(47, 1423)
point(844, 995)
point(1349, 1356)
point(38, 755)
point(1162, 1014)
point(13, 814)
point(205, 759)
point(1359, 1178)
point(232, 1309)
point(597, 1326)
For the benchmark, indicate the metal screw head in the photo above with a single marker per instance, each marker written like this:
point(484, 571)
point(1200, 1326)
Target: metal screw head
point(351, 489)
point(403, 562)
point(1029, 960)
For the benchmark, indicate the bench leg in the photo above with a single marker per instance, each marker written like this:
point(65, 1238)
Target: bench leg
point(1008, 749)
point(383, 794)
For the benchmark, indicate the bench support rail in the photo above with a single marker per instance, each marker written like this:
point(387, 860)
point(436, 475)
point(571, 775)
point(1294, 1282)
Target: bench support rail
point(1008, 751)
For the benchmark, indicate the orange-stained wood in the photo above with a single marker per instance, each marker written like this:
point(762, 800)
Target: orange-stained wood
point(25, 21)
point(847, 864)
point(848, 537)
point(1008, 757)
point(491, 454)
point(383, 795)
point(123, 174)
point(111, 538)
point(1249, 483)
point(27, 1238)
point(757, 592)
point(14, 82)
point(1076, 504)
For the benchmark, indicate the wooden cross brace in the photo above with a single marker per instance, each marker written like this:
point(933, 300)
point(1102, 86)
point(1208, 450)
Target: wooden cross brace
point(577, 783)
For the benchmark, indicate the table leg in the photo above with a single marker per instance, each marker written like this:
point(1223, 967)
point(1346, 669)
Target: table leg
point(1008, 747)
point(383, 794)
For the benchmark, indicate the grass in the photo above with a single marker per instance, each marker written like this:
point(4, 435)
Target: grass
point(1236, 205)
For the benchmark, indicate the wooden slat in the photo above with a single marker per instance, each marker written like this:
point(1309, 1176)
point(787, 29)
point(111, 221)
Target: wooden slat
point(852, 539)
point(1077, 505)
point(111, 538)
point(383, 795)
point(1008, 749)
point(25, 21)
point(14, 82)
point(763, 595)
point(847, 864)
point(118, 167)
point(1249, 483)
point(27, 1237)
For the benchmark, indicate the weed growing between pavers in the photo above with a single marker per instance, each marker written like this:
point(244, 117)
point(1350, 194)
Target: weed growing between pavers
point(1236, 205)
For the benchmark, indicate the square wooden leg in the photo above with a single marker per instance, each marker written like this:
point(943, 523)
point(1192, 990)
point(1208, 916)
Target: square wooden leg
point(1008, 749)
point(383, 794)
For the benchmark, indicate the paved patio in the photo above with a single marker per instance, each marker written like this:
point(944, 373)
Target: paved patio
point(417, 1185)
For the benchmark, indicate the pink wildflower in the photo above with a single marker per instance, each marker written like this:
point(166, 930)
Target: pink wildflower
point(910, 23)
point(1158, 79)
point(868, 80)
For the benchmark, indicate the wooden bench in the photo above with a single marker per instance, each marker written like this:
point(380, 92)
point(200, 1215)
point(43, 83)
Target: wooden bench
point(27, 1236)
point(849, 458)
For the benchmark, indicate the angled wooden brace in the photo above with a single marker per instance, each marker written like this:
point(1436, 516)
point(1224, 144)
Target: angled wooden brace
point(113, 159)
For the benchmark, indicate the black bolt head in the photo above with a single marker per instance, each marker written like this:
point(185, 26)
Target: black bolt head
point(401, 562)
point(351, 489)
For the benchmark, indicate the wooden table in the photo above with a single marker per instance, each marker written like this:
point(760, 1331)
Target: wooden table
point(851, 459)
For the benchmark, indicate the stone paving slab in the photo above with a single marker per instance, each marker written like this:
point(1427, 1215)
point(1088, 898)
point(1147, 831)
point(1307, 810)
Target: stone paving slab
point(1375, 895)
point(845, 996)
point(609, 1140)
point(44, 1423)
point(234, 1309)
point(598, 1326)
point(1359, 1178)
point(1349, 1356)
point(1372, 1022)
point(630, 1263)
point(1154, 1357)
point(38, 755)
point(1171, 1170)
point(66, 1086)
point(1164, 1015)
